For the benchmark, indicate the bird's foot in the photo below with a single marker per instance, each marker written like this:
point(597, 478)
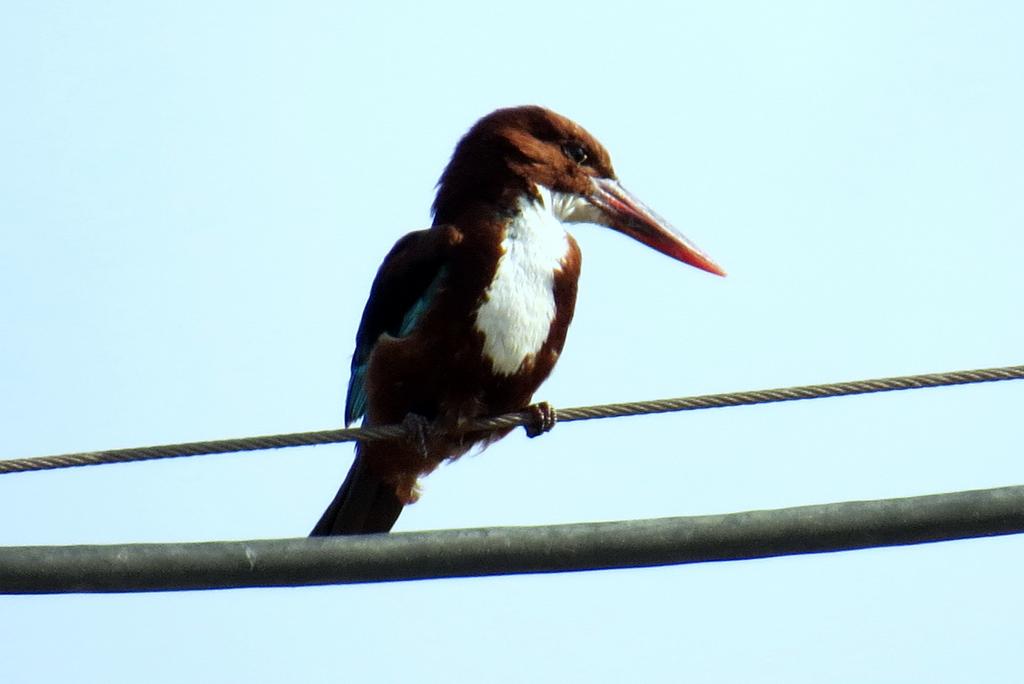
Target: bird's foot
point(418, 430)
point(543, 417)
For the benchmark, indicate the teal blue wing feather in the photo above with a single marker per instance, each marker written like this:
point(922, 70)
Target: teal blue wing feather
point(404, 289)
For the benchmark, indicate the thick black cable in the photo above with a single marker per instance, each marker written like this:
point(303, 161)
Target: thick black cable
point(905, 382)
point(507, 551)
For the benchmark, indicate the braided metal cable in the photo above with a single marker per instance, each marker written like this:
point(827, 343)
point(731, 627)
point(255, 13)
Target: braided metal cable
point(510, 420)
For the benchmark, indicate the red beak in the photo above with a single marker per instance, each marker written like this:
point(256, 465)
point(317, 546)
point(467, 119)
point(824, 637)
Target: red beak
point(626, 214)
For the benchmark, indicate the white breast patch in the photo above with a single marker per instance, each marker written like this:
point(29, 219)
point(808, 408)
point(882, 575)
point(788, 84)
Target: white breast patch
point(519, 304)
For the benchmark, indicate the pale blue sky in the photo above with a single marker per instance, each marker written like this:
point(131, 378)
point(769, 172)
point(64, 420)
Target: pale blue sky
point(194, 199)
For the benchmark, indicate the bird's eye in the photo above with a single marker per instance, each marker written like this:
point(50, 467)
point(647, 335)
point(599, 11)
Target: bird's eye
point(575, 152)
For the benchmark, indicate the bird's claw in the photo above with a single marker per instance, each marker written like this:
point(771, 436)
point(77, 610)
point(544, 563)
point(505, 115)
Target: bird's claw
point(417, 428)
point(543, 417)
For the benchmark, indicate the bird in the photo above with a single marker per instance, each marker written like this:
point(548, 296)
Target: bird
point(467, 318)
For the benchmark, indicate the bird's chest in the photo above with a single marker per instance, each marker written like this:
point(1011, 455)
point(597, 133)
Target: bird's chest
point(519, 305)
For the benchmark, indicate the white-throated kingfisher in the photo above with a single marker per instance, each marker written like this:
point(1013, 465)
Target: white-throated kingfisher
point(467, 319)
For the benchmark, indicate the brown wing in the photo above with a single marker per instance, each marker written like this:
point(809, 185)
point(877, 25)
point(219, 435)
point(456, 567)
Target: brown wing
point(401, 293)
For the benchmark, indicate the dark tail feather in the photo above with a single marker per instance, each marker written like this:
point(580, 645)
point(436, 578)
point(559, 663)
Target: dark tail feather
point(363, 505)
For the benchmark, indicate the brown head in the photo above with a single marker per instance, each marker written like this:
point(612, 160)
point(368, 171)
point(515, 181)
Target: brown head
point(511, 152)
